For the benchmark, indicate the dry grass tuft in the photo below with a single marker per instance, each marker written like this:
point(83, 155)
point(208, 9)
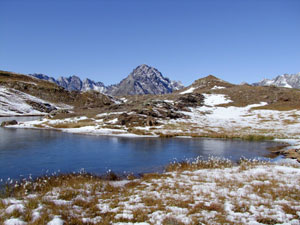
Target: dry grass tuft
point(199, 163)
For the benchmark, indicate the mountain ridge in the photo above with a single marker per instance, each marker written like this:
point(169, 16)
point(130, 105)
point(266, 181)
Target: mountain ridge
point(285, 80)
point(143, 79)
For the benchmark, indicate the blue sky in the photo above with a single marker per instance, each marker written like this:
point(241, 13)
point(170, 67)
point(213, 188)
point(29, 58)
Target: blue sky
point(186, 40)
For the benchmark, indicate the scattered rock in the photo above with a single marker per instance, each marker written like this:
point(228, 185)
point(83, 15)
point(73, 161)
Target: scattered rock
point(136, 120)
point(288, 153)
point(42, 107)
point(9, 122)
point(190, 100)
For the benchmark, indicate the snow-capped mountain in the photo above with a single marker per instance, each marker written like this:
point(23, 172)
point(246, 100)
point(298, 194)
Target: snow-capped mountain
point(285, 80)
point(143, 80)
point(88, 84)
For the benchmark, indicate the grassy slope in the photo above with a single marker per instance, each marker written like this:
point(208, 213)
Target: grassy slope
point(278, 98)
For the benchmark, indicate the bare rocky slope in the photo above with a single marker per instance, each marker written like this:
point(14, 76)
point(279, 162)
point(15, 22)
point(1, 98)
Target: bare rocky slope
point(144, 80)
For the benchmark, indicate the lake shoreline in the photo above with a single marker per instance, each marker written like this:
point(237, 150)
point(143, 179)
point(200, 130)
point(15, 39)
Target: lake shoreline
point(290, 147)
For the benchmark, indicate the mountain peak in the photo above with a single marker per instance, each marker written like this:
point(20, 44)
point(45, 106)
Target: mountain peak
point(145, 79)
point(143, 66)
point(210, 81)
point(145, 70)
point(211, 77)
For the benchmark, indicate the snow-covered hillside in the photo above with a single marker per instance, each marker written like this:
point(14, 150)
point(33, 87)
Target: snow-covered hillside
point(14, 102)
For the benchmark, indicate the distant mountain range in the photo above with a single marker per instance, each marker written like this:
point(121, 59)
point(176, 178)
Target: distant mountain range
point(285, 80)
point(142, 80)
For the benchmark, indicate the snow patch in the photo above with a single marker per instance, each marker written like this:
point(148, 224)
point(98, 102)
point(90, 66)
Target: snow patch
point(190, 90)
point(14, 221)
point(217, 87)
point(56, 221)
point(12, 208)
point(215, 99)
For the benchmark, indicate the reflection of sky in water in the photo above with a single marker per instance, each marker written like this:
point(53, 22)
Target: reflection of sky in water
point(214, 147)
point(27, 151)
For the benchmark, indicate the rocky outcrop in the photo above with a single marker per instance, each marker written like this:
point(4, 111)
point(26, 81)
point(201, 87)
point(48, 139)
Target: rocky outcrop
point(72, 83)
point(134, 120)
point(190, 100)
point(41, 107)
point(9, 122)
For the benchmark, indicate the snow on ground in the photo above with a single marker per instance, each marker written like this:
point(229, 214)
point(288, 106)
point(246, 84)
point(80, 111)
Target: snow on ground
point(241, 120)
point(13, 102)
point(169, 101)
point(203, 120)
point(251, 193)
point(217, 87)
point(107, 114)
point(190, 90)
point(97, 130)
point(282, 123)
point(14, 221)
point(56, 221)
point(215, 99)
point(124, 99)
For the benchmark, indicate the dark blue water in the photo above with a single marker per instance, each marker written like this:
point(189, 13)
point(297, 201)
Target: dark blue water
point(36, 152)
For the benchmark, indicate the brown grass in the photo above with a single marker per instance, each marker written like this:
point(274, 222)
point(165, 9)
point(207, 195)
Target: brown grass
point(211, 163)
point(78, 124)
point(85, 192)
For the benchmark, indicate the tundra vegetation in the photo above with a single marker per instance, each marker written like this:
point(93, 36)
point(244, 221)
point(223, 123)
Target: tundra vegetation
point(213, 191)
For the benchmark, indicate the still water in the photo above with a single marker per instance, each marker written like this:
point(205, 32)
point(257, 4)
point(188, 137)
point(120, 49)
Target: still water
point(37, 152)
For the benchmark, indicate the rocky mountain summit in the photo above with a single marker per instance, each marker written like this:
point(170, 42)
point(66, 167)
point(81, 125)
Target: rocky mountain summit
point(285, 80)
point(142, 80)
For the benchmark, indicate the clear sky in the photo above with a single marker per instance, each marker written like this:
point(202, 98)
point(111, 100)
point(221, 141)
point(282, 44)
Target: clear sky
point(105, 40)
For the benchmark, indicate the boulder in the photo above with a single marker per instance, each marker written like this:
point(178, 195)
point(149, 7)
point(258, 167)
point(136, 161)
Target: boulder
point(136, 120)
point(9, 122)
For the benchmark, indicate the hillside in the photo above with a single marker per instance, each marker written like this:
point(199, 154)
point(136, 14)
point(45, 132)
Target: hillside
point(24, 95)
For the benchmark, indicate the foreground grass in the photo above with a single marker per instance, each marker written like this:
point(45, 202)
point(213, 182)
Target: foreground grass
point(197, 192)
